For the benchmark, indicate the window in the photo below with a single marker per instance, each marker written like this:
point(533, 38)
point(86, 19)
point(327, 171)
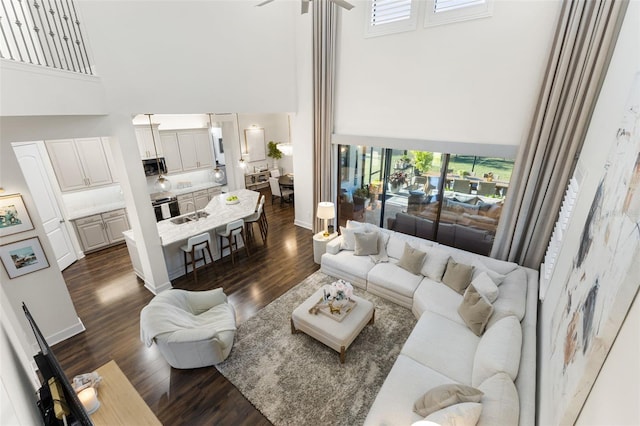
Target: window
point(390, 16)
point(445, 11)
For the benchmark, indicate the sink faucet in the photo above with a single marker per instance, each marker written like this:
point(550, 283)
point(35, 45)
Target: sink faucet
point(195, 213)
point(195, 209)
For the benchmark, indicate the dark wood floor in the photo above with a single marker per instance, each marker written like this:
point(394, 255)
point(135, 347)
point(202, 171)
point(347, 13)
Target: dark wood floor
point(108, 298)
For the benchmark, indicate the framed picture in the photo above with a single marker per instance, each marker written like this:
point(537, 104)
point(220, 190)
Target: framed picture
point(14, 217)
point(22, 257)
point(254, 143)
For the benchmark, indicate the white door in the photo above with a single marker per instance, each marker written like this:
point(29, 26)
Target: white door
point(42, 193)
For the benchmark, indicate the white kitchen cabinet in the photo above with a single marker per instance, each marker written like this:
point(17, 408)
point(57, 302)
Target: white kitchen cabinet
point(79, 163)
point(101, 230)
point(145, 141)
point(213, 192)
point(202, 199)
point(192, 201)
point(195, 149)
point(171, 151)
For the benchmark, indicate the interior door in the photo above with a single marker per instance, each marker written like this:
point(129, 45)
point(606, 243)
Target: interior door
point(38, 182)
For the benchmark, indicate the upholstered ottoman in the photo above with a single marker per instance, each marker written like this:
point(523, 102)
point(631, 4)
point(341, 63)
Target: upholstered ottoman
point(338, 335)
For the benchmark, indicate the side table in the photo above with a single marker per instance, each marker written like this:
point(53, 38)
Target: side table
point(320, 245)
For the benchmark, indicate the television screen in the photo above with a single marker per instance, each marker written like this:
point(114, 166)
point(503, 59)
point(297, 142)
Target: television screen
point(50, 367)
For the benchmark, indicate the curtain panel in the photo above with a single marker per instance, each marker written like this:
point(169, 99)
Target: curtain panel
point(583, 45)
point(324, 58)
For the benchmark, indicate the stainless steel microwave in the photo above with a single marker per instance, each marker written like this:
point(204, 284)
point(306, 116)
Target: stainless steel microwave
point(154, 166)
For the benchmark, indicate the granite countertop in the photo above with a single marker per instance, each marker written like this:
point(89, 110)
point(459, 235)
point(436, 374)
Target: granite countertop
point(220, 213)
point(90, 211)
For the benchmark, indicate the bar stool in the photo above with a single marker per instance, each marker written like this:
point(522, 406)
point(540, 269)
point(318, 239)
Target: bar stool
point(194, 244)
point(231, 232)
point(257, 217)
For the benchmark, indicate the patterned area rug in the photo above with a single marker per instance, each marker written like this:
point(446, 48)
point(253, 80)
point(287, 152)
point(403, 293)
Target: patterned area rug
point(295, 380)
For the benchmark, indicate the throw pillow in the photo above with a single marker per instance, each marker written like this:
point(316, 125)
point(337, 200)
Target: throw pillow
point(381, 256)
point(480, 267)
point(348, 238)
point(435, 263)
point(485, 286)
point(475, 310)
point(457, 275)
point(444, 396)
point(463, 414)
point(366, 243)
point(411, 259)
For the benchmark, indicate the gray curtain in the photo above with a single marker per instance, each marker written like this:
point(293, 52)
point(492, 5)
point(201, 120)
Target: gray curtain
point(583, 45)
point(324, 57)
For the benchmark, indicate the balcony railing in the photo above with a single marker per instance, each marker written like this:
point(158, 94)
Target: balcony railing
point(43, 32)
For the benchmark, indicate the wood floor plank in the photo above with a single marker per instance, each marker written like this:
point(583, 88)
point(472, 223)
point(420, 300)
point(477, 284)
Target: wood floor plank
point(108, 298)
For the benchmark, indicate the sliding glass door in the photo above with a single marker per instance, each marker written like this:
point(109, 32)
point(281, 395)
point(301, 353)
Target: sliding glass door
point(453, 199)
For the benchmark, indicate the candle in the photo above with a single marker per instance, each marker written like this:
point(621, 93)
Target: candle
point(89, 399)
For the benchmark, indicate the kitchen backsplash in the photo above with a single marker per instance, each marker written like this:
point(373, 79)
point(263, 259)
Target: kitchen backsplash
point(181, 180)
point(82, 200)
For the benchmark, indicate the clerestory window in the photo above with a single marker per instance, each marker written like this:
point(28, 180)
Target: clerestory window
point(391, 16)
point(440, 12)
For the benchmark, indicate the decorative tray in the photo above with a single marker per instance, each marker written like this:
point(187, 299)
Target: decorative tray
point(339, 312)
point(231, 202)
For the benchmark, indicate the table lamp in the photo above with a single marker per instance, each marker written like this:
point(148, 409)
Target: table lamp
point(326, 211)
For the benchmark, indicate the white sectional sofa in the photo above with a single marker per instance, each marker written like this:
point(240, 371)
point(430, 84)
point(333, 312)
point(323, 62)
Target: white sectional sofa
point(442, 349)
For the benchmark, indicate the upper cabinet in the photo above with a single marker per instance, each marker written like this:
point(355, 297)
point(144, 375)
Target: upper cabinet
point(79, 163)
point(145, 142)
point(195, 149)
point(186, 150)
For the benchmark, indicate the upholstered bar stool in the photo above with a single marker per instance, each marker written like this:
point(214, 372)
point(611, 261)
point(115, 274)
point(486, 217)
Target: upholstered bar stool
point(231, 233)
point(197, 243)
point(257, 217)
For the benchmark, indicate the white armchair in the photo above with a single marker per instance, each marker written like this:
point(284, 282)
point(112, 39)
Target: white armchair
point(191, 328)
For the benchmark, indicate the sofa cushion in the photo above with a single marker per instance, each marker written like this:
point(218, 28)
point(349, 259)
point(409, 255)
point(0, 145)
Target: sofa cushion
point(405, 223)
point(438, 298)
point(435, 263)
point(348, 267)
point(463, 414)
point(348, 238)
point(395, 245)
point(381, 255)
point(406, 381)
point(366, 243)
point(500, 402)
point(444, 396)
point(498, 351)
point(457, 275)
point(475, 310)
point(499, 266)
point(480, 268)
point(444, 345)
point(391, 277)
point(485, 286)
point(512, 299)
point(412, 259)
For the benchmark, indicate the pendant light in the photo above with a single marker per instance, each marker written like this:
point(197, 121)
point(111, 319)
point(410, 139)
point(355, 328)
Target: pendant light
point(217, 173)
point(241, 162)
point(162, 184)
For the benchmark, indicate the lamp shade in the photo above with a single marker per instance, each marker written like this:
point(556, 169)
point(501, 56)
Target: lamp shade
point(326, 210)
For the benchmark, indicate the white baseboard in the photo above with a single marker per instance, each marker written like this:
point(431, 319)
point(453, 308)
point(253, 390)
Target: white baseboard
point(68, 332)
point(159, 289)
point(302, 224)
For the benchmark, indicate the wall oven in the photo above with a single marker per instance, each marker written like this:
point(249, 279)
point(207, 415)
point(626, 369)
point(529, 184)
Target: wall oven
point(165, 205)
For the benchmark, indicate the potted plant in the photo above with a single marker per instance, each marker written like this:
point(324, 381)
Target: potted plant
point(396, 180)
point(423, 161)
point(274, 152)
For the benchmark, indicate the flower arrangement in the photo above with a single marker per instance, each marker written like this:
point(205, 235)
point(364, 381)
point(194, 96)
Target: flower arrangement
point(397, 178)
point(339, 290)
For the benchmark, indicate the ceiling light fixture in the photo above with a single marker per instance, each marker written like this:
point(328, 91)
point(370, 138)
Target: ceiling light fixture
point(162, 184)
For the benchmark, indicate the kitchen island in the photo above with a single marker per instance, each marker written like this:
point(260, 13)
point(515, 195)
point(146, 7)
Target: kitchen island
point(173, 235)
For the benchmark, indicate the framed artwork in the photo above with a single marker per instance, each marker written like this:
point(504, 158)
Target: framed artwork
point(14, 217)
point(254, 143)
point(23, 257)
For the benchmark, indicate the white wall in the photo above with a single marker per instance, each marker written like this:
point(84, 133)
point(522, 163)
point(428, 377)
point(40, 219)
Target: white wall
point(473, 81)
point(616, 383)
point(193, 56)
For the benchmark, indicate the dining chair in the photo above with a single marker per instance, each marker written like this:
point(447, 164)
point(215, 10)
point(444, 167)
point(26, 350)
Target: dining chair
point(275, 173)
point(462, 185)
point(197, 243)
point(277, 191)
point(486, 188)
point(231, 233)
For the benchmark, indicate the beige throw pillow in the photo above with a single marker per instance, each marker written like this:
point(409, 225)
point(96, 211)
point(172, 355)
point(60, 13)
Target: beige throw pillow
point(444, 396)
point(463, 414)
point(411, 259)
point(475, 310)
point(457, 275)
point(366, 243)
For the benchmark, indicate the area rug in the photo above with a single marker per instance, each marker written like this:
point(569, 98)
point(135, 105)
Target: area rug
point(295, 380)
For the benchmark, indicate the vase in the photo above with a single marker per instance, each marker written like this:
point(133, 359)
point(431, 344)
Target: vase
point(394, 188)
